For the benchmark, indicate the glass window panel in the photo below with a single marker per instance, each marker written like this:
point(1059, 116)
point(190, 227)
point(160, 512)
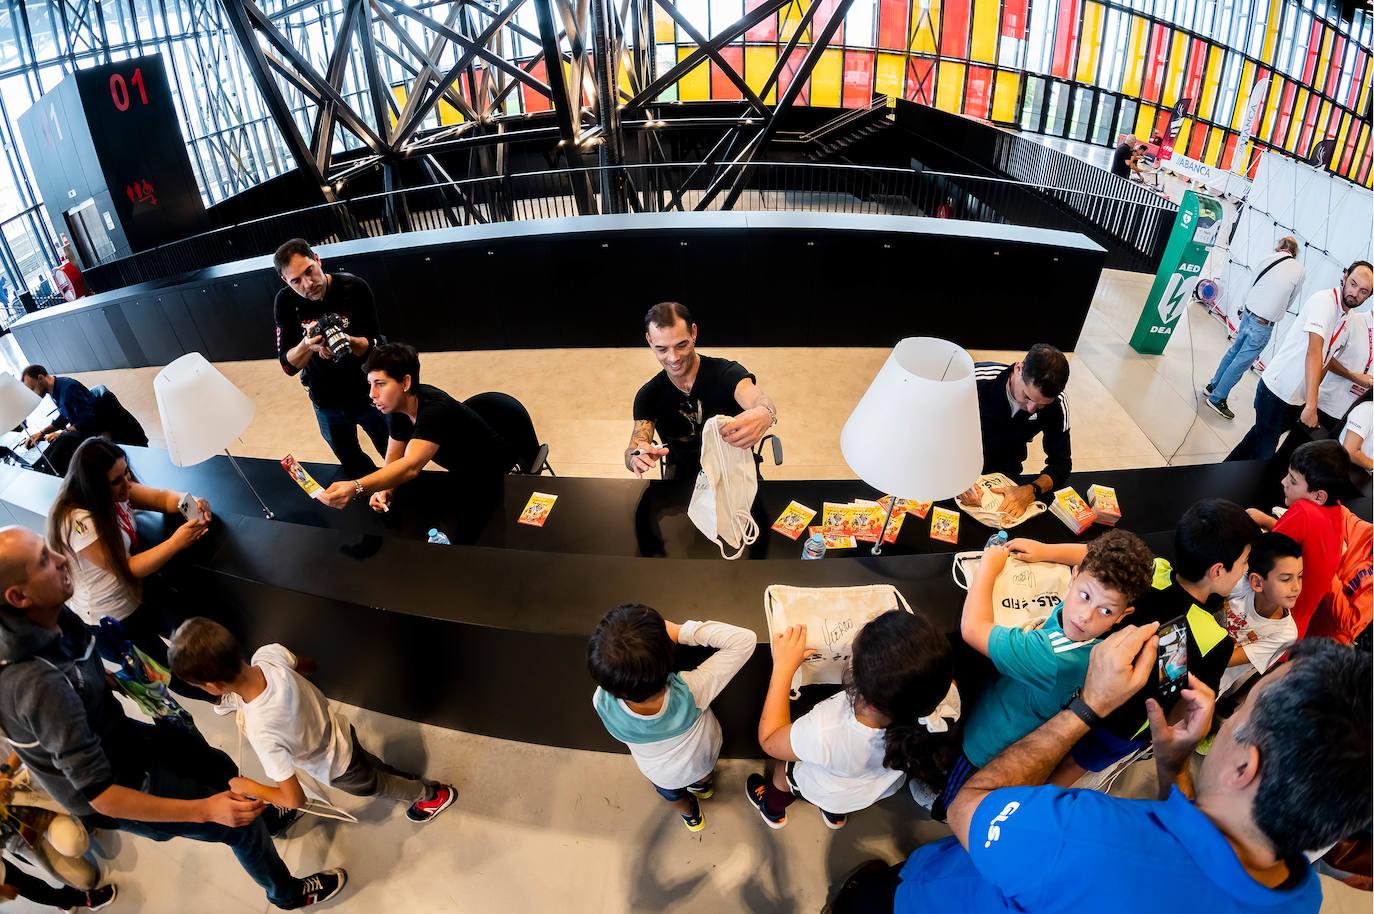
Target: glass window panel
point(858, 23)
point(955, 30)
point(1006, 87)
point(1065, 38)
point(827, 79)
point(858, 79)
point(724, 12)
point(722, 87)
point(1039, 45)
point(892, 25)
point(949, 87)
point(984, 44)
point(1082, 111)
point(1057, 108)
point(1033, 103)
point(1104, 120)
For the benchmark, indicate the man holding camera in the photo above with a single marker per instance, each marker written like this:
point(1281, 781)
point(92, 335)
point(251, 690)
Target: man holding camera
point(326, 324)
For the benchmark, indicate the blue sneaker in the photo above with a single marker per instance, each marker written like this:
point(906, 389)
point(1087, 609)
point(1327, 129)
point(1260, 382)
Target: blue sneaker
point(755, 788)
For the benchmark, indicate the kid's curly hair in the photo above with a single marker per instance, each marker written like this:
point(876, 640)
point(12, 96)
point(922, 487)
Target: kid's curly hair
point(1120, 561)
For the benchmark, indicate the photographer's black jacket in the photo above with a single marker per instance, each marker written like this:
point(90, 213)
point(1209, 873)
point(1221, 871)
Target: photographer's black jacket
point(333, 383)
point(1005, 435)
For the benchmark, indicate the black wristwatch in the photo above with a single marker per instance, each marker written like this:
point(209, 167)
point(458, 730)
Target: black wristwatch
point(1078, 706)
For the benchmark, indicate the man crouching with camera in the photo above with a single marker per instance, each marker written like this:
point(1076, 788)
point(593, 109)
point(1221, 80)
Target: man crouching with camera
point(326, 323)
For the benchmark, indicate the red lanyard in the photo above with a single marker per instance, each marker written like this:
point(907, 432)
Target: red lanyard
point(1345, 321)
point(125, 518)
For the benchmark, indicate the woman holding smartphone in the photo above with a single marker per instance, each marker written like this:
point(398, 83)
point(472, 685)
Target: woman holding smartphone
point(92, 524)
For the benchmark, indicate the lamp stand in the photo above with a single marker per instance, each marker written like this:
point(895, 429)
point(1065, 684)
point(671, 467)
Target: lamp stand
point(887, 516)
point(265, 510)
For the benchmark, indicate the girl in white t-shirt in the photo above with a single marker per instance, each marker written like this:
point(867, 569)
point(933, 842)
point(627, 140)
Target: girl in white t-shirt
point(92, 524)
point(858, 746)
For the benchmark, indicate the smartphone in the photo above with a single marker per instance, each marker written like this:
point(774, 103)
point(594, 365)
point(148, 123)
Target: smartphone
point(189, 506)
point(1172, 660)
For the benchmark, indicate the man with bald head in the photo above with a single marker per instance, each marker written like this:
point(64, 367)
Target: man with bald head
point(110, 771)
point(1287, 773)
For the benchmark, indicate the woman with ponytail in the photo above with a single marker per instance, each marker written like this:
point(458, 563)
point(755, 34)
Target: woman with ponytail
point(92, 523)
point(858, 746)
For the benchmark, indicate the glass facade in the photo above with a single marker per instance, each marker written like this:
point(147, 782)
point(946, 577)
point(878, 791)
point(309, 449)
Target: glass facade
point(1084, 69)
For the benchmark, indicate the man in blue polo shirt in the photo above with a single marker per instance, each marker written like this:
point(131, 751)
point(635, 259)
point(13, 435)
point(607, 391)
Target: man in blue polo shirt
point(1287, 773)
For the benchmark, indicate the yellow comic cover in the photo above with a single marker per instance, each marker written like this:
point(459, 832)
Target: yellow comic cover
point(537, 509)
point(893, 529)
point(303, 479)
point(794, 520)
point(904, 507)
point(866, 520)
point(944, 525)
point(834, 540)
point(836, 518)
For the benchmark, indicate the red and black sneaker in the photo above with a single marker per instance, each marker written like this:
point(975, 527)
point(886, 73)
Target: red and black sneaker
point(320, 887)
point(424, 810)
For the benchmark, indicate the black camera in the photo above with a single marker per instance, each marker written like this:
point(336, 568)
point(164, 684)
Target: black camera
point(331, 327)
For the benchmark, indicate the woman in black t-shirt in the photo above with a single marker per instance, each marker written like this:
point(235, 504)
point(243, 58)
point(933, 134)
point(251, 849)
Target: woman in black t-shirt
point(426, 424)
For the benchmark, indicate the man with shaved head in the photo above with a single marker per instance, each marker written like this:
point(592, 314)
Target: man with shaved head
point(110, 771)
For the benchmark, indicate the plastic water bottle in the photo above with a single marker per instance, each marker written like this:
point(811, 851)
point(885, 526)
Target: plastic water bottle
point(997, 539)
point(440, 538)
point(814, 548)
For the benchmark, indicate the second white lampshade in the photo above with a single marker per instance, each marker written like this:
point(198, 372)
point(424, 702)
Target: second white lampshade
point(202, 411)
point(915, 433)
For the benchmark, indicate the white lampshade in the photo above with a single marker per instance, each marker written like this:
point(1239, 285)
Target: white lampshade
point(202, 411)
point(915, 434)
point(16, 401)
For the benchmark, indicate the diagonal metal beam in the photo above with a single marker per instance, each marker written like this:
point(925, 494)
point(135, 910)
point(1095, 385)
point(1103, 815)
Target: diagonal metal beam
point(426, 59)
point(378, 91)
point(687, 64)
point(792, 42)
point(567, 114)
point(344, 111)
point(712, 49)
point(242, 25)
point(770, 128)
point(322, 135)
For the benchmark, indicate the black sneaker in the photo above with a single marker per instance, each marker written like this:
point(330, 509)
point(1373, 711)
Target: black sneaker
point(697, 820)
point(319, 887)
point(1208, 389)
point(832, 821)
point(755, 788)
point(424, 810)
point(1221, 409)
point(278, 819)
point(702, 789)
point(97, 898)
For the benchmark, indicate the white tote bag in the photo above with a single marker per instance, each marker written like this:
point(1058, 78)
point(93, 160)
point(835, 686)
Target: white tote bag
point(1024, 594)
point(832, 616)
point(989, 513)
point(723, 500)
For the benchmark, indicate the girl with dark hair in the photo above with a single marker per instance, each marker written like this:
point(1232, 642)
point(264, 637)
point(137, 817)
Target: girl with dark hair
point(92, 524)
point(894, 719)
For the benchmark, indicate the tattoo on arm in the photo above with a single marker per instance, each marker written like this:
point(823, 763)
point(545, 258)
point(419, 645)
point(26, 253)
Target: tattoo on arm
point(643, 434)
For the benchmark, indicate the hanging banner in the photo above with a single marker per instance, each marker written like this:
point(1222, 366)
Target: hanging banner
point(1195, 230)
point(1247, 123)
point(1171, 128)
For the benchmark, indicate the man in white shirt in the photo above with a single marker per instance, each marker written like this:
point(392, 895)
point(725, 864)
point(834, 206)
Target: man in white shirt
point(1287, 391)
point(1347, 374)
point(1358, 435)
point(1274, 290)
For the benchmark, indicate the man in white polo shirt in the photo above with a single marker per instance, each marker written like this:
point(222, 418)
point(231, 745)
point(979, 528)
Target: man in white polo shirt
point(1274, 290)
point(1287, 391)
point(1347, 374)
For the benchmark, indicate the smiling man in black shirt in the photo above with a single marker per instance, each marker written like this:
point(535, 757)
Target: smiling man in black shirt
point(691, 388)
point(338, 390)
point(425, 424)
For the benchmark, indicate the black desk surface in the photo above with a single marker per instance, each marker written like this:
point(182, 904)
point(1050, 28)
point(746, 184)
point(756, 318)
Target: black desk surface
point(640, 518)
point(490, 638)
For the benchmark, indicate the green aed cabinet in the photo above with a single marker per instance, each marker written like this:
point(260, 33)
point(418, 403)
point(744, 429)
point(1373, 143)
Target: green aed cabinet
point(1195, 230)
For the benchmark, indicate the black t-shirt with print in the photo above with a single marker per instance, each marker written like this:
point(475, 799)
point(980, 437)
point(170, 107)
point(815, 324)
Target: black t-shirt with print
point(467, 444)
point(333, 383)
point(678, 417)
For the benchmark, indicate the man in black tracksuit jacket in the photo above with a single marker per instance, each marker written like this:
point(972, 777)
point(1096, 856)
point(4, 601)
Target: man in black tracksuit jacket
point(1016, 403)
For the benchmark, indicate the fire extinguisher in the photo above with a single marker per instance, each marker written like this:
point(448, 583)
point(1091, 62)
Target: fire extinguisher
point(66, 278)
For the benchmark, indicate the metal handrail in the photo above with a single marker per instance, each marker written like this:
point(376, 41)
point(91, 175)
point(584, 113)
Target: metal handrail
point(826, 187)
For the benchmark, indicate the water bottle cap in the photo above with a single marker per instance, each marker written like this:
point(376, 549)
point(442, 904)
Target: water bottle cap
point(817, 538)
point(433, 531)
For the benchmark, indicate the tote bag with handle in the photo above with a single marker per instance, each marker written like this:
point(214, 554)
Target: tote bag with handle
point(832, 616)
point(723, 500)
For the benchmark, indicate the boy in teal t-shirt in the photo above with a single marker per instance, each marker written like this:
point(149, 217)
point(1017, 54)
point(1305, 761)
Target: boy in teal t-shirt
point(1042, 668)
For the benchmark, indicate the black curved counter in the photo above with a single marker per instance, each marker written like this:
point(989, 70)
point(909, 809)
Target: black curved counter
point(490, 638)
point(751, 279)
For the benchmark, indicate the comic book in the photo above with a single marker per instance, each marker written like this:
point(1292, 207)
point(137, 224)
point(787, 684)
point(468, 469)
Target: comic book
point(944, 525)
point(866, 520)
point(794, 520)
point(834, 540)
point(303, 479)
point(837, 518)
point(537, 509)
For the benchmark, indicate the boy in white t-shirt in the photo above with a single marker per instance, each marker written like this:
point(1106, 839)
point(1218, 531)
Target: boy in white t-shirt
point(664, 717)
point(1358, 435)
point(291, 725)
point(1258, 613)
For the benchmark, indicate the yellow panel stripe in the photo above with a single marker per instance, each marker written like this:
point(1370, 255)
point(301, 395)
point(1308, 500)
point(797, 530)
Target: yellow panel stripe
point(1174, 80)
point(1004, 99)
point(984, 40)
point(1210, 82)
point(1135, 59)
point(949, 93)
point(1091, 46)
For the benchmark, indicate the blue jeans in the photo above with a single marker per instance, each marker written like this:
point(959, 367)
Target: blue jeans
point(339, 429)
point(1273, 417)
point(183, 766)
point(1250, 341)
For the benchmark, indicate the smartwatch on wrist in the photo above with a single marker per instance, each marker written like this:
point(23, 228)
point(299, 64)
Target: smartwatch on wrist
point(1079, 707)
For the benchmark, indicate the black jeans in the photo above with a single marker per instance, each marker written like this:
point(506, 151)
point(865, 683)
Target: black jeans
point(1273, 417)
point(183, 766)
point(339, 427)
point(39, 892)
point(145, 629)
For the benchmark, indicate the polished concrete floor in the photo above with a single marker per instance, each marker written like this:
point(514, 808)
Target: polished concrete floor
point(538, 829)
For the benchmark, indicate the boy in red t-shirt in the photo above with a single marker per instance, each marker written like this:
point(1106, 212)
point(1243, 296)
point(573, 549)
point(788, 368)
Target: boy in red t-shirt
point(1317, 472)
